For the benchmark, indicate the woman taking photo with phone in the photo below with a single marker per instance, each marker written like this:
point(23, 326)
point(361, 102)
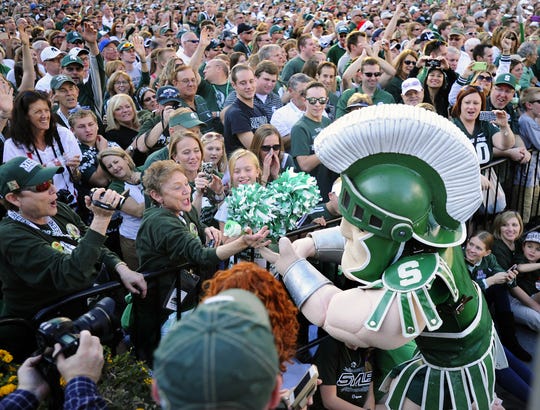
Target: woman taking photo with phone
point(484, 135)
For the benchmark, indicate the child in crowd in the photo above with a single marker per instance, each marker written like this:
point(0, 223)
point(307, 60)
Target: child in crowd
point(494, 282)
point(493, 279)
point(244, 168)
point(529, 276)
point(324, 211)
point(214, 151)
point(507, 229)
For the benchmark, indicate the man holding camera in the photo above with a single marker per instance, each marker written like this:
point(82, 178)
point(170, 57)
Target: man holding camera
point(46, 251)
point(80, 371)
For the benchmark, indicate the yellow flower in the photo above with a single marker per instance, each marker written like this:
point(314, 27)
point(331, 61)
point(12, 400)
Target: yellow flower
point(7, 389)
point(12, 378)
point(5, 356)
point(148, 380)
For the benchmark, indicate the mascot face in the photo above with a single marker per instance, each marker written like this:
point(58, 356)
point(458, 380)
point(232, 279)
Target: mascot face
point(366, 255)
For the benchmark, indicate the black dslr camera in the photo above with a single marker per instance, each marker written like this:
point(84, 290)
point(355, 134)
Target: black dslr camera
point(100, 321)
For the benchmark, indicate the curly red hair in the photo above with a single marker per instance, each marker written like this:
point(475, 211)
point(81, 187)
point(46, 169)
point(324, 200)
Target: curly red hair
point(281, 310)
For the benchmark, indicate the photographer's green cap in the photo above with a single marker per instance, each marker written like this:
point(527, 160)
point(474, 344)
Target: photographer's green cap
point(507, 79)
point(186, 120)
point(20, 172)
point(222, 356)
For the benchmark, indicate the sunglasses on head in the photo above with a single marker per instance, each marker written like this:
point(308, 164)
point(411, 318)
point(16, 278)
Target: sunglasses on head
point(313, 100)
point(276, 147)
point(44, 186)
point(369, 75)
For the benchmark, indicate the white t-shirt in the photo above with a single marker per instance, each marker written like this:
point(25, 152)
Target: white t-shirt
point(51, 156)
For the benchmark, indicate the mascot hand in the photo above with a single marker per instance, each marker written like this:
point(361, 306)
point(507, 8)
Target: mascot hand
point(285, 258)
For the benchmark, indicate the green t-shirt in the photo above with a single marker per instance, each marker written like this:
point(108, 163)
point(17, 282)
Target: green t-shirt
point(292, 67)
point(303, 134)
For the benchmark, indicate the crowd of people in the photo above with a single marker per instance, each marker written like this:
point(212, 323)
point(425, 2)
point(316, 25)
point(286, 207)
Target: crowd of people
point(125, 126)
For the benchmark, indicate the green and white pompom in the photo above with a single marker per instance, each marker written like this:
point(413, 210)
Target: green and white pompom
point(250, 206)
point(295, 194)
point(279, 206)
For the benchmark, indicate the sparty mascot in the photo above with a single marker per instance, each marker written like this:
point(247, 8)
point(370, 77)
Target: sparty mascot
point(410, 179)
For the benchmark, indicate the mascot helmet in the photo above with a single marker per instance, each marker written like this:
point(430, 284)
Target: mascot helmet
point(406, 173)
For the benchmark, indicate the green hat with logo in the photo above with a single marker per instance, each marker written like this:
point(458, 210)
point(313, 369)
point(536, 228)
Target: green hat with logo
point(71, 59)
point(507, 79)
point(222, 356)
point(20, 172)
point(58, 80)
point(186, 120)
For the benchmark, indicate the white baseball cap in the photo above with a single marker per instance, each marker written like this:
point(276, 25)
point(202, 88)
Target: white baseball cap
point(411, 84)
point(50, 53)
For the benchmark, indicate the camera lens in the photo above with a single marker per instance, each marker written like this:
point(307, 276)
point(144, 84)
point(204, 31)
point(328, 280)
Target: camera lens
point(100, 320)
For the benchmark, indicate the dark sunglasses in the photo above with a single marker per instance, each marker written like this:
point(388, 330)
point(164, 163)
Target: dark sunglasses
point(487, 78)
point(369, 75)
point(409, 62)
point(267, 148)
point(44, 186)
point(313, 100)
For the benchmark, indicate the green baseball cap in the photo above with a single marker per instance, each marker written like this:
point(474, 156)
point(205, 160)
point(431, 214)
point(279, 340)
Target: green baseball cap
point(20, 172)
point(186, 120)
point(507, 79)
point(71, 59)
point(58, 80)
point(223, 355)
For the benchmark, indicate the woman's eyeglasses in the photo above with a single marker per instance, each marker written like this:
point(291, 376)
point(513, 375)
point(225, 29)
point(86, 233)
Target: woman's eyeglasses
point(276, 147)
point(313, 100)
point(44, 186)
point(409, 62)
